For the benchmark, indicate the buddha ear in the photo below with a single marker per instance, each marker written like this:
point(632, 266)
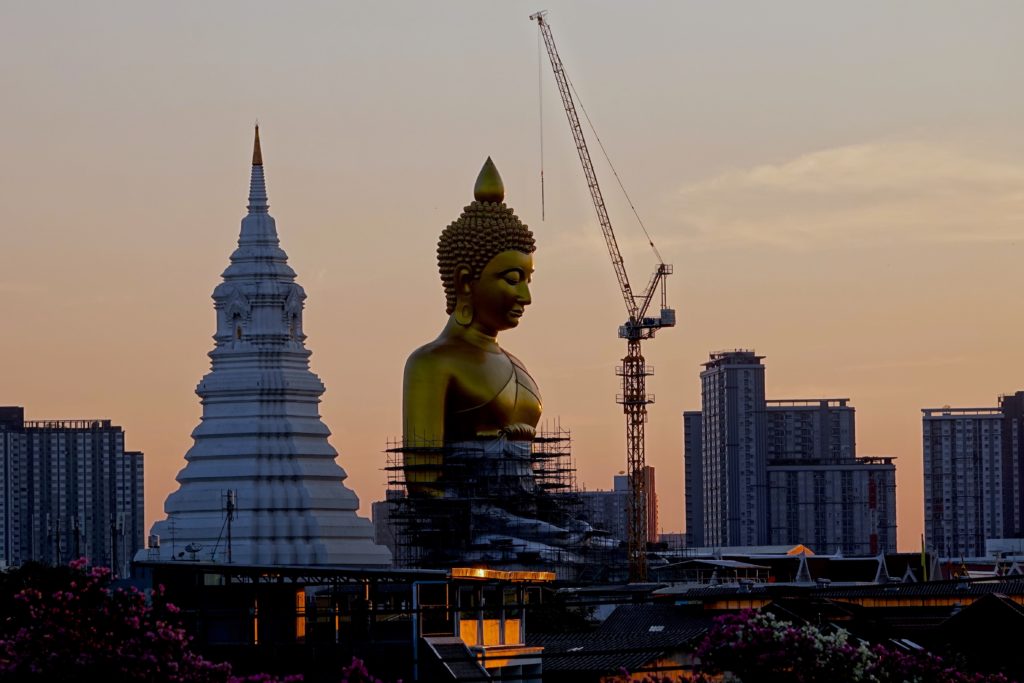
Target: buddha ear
point(463, 295)
point(463, 279)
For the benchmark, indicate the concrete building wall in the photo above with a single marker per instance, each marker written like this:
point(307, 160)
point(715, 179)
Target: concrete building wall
point(651, 486)
point(608, 511)
point(693, 499)
point(383, 531)
point(963, 479)
point(12, 498)
point(847, 507)
point(811, 429)
point(620, 484)
point(1012, 408)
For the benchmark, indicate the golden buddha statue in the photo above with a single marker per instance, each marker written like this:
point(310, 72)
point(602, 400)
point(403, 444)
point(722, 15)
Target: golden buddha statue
point(470, 411)
point(463, 387)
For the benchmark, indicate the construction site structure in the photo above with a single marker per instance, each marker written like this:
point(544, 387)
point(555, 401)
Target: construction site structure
point(639, 325)
point(489, 516)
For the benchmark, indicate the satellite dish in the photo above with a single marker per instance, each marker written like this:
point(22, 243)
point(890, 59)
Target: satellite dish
point(193, 547)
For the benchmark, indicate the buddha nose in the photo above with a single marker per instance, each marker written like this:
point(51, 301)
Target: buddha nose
point(523, 296)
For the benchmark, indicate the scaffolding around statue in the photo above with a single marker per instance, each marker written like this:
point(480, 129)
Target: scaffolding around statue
point(501, 504)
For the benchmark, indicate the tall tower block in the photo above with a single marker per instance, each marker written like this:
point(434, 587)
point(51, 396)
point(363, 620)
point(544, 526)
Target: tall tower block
point(261, 485)
point(733, 449)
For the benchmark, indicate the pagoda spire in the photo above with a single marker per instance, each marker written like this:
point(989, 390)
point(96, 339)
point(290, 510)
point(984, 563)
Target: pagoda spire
point(257, 183)
point(257, 153)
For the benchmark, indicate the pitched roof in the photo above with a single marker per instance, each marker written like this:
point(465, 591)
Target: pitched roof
point(608, 652)
point(656, 618)
point(629, 638)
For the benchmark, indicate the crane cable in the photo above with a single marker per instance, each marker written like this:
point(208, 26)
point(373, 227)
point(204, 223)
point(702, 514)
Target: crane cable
point(600, 144)
point(540, 112)
point(612, 167)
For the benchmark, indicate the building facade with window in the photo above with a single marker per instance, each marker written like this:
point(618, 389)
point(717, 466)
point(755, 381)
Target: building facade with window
point(846, 507)
point(968, 475)
point(733, 450)
point(820, 493)
point(609, 510)
point(811, 430)
point(68, 489)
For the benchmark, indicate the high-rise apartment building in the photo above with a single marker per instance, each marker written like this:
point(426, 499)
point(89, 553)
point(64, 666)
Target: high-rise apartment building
point(733, 450)
point(68, 489)
point(780, 472)
point(969, 475)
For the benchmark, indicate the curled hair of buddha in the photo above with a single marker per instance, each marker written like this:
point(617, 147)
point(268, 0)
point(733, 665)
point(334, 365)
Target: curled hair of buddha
point(485, 229)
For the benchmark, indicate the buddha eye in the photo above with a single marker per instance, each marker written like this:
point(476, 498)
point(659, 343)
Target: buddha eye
point(513, 277)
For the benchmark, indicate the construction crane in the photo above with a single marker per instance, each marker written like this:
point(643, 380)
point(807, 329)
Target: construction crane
point(639, 326)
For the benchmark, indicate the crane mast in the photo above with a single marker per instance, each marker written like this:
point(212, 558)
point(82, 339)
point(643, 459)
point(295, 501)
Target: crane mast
point(634, 369)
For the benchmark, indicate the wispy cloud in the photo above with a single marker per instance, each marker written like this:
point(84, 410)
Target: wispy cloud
point(877, 193)
point(20, 288)
point(932, 361)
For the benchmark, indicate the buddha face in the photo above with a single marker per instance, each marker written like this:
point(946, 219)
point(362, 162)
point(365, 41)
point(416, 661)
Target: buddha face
point(502, 292)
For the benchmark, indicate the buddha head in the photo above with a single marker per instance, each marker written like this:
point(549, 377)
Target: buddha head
point(485, 258)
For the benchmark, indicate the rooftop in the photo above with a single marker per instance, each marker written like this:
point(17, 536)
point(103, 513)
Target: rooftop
point(808, 403)
point(946, 411)
point(733, 357)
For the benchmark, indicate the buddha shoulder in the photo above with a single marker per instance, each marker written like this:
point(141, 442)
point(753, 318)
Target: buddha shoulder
point(439, 358)
point(430, 358)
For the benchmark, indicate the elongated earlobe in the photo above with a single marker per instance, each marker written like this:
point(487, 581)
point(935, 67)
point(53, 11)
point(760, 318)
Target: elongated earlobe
point(463, 295)
point(464, 313)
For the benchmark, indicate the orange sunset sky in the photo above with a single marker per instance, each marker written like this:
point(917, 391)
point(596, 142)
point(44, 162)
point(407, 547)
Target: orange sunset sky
point(840, 186)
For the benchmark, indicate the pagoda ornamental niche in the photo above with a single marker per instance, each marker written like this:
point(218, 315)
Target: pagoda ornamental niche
point(261, 485)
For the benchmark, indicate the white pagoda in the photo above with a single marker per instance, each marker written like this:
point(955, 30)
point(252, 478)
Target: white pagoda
point(261, 485)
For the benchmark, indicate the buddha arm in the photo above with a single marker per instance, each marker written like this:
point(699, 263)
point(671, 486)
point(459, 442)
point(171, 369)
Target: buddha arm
point(423, 400)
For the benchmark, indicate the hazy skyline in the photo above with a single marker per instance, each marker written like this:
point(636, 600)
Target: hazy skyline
point(840, 187)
